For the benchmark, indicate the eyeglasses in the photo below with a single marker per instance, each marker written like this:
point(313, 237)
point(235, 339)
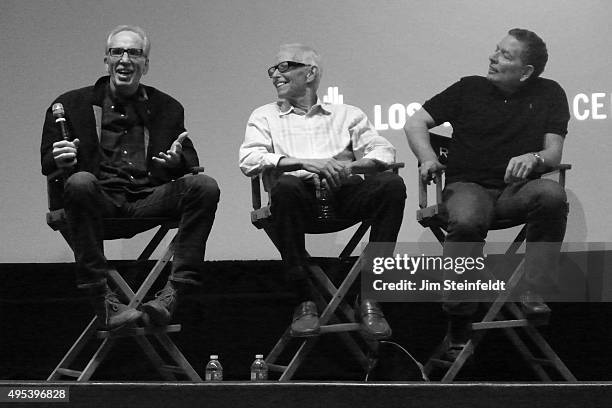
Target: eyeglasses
point(284, 67)
point(131, 52)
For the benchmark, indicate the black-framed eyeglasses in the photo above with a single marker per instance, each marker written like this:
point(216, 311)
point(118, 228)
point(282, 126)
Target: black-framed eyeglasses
point(284, 67)
point(131, 52)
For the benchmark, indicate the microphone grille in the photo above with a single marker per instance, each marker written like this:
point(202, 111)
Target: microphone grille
point(58, 110)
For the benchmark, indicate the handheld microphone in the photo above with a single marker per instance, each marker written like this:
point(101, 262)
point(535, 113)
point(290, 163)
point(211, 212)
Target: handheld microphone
point(60, 118)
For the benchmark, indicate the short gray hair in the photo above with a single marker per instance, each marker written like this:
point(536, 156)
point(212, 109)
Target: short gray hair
point(306, 55)
point(134, 29)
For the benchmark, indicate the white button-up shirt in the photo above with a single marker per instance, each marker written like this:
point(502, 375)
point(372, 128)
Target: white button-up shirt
point(343, 132)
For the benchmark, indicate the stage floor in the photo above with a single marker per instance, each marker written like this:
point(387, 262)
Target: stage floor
point(316, 394)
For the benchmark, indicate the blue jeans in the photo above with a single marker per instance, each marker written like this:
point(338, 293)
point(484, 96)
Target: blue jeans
point(191, 199)
point(540, 203)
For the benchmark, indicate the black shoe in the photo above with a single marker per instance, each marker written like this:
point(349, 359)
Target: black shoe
point(111, 313)
point(459, 334)
point(305, 320)
point(532, 304)
point(453, 350)
point(159, 311)
point(372, 320)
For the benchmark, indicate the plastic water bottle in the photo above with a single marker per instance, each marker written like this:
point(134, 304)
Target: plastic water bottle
point(214, 369)
point(259, 369)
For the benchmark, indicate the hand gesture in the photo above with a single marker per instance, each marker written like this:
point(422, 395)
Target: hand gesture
point(65, 153)
point(172, 157)
point(520, 167)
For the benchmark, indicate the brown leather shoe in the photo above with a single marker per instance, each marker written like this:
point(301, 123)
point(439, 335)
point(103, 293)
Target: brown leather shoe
point(372, 320)
point(305, 320)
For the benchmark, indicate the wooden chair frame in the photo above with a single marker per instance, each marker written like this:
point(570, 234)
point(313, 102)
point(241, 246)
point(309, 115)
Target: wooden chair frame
point(175, 362)
point(501, 313)
point(338, 316)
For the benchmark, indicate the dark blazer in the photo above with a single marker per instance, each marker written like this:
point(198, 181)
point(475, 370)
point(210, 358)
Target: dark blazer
point(164, 121)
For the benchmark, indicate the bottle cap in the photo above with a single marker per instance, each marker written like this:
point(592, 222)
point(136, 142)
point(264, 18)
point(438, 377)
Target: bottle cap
point(214, 357)
point(258, 355)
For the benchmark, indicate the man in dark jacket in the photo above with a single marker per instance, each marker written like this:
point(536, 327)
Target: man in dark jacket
point(127, 156)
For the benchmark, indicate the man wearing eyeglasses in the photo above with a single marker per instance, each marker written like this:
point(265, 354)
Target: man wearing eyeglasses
point(127, 156)
point(303, 141)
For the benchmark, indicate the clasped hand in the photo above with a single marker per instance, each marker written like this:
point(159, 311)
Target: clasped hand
point(332, 170)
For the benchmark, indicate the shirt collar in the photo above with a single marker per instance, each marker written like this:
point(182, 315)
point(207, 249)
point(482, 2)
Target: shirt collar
point(140, 95)
point(285, 108)
point(523, 90)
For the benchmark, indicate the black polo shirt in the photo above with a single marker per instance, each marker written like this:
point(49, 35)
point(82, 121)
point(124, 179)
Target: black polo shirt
point(489, 128)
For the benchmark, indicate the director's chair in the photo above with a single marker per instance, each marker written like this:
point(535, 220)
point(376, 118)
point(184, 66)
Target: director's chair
point(173, 362)
point(501, 313)
point(338, 315)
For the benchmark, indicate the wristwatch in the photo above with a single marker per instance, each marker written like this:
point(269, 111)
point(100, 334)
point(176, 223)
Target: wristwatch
point(538, 158)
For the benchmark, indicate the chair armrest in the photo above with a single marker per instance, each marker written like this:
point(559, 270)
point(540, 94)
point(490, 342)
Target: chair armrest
point(55, 190)
point(57, 174)
point(196, 169)
point(380, 167)
point(256, 184)
point(561, 168)
point(438, 181)
point(394, 167)
point(256, 192)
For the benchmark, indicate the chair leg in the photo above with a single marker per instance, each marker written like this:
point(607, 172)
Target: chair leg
point(183, 365)
point(330, 323)
point(153, 244)
point(495, 318)
point(167, 372)
point(527, 355)
point(355, 239)
point(63, 367)
point(155, 358)
point(551, 359)
point(97, 359)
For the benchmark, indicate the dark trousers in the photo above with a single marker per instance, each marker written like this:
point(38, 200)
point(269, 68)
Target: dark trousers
point(541, 204)
point(191, 199)
point(379, 197)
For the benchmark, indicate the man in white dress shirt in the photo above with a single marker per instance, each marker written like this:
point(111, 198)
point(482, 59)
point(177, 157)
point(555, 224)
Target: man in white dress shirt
point(307, 142)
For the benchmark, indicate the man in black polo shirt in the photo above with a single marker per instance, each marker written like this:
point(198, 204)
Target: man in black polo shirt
point(506, 128)
point(127, 157)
